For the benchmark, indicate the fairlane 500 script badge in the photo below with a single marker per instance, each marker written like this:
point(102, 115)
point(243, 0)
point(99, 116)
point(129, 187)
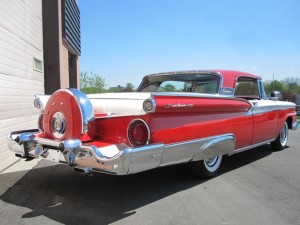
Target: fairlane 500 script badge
point(178, 105)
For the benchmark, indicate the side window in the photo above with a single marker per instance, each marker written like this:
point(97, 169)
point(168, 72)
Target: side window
point(205, 87)
point(247, 88)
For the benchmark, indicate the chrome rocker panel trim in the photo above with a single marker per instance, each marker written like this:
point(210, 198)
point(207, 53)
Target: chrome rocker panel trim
point(119, 159)
point(253, 146)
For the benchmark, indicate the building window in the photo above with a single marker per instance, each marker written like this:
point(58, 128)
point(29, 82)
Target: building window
point(37, 65)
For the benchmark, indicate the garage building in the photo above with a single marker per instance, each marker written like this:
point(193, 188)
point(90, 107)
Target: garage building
point(39, 53)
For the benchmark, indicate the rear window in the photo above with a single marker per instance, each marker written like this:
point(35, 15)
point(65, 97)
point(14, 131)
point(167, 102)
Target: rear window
point(197, 83)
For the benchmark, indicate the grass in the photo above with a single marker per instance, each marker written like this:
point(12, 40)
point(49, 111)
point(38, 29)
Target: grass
point(298, 118)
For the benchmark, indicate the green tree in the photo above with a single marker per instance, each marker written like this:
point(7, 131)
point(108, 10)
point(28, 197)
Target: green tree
point(113, 89)
point(288, 88)
point(91, 83)
point(275, 86)
point(293, 84)
point(169, 88)
point(129, 88)
point(289, 96)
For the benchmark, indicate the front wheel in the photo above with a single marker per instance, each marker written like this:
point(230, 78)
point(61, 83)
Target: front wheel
point(282, 138)
point(206, 168)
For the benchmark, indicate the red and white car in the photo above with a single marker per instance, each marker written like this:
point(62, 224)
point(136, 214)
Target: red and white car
point(192, 117)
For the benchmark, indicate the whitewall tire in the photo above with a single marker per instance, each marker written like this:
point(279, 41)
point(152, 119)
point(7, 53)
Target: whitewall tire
point(206, 168)
point(282, 138)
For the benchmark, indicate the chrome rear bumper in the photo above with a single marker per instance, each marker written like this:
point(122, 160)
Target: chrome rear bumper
point(118, 158)
point(115, 159)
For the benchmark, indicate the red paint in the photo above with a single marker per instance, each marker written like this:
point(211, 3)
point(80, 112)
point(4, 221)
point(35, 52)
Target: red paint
point(264, 126)
point(63, 101)
point(230, 77)
point(207, 117)
point(171, 125)
point(176, 119)
point(114, 129)
point(186, 104)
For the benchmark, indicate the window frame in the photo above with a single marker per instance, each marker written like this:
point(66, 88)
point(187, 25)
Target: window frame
point(249, 97)
point(185, 77)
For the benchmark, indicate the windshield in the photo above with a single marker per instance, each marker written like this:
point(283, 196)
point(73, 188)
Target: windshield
point(198, 83)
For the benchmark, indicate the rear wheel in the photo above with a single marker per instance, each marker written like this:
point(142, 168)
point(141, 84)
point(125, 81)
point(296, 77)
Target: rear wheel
point(282, 138)
point(206, 168)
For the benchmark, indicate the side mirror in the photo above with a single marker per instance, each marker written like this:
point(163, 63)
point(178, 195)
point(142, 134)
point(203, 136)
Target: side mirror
point(276, 95)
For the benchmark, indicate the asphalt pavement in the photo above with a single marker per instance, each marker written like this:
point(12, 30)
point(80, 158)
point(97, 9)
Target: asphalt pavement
point(258, 186)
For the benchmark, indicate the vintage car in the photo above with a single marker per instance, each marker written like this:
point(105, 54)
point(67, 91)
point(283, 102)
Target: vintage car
point(192, 117)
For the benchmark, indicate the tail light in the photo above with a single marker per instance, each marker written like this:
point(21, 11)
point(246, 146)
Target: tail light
point(138, 133)
point(149, 105)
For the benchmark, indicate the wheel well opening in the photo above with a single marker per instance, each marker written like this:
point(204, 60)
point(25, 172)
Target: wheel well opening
point(289, 121)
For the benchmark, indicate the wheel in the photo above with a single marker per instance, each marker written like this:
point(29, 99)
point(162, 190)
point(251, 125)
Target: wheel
point(206, 168)
point(282, 138)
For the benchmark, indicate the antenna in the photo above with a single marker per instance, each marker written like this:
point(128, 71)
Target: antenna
point(273, 83)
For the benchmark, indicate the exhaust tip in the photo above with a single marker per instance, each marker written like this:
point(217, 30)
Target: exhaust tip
point(82, 170)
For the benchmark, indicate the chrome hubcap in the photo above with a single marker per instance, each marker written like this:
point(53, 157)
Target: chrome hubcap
point(58, 124)
point(283, 135)
point(210, 162)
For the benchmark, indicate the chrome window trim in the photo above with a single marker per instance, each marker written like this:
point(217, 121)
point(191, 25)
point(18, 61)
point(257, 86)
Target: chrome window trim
point(259, 89)
point(188, 72)
point(262, 90)
point(253, 78)
point(186, 94)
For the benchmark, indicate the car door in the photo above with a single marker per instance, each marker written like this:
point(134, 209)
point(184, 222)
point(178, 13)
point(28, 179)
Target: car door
point(264, 120)
point(264, 111)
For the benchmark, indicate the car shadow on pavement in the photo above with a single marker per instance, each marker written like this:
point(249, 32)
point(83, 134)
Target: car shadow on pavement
point(56, 192)
point(242, 159)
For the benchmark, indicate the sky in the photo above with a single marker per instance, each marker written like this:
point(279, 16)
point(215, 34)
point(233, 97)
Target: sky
point(124, 40)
